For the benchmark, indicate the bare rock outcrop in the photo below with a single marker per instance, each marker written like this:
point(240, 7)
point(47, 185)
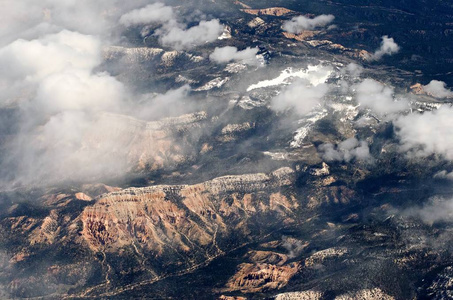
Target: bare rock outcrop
point(271, 11)
point(252, 278)
point(185, 218)
point(267, 257)
point(48, 231)
point(331, 195)
point(232, 131)
point(144, 54)
point(305, 295)
point(366, 294)
point(323, 256)
point(417, 89)
point(302, 36)
point(223, 297)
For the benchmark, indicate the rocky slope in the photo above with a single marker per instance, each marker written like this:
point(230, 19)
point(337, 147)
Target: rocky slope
point(185, 218)
point(188, 224)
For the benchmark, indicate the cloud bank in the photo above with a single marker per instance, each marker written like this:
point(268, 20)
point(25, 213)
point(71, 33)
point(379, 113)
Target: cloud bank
point(301, 23)
point(58, 71)
point(29, 19)
point(50, 53)
point(64, 94)
point(75, 121)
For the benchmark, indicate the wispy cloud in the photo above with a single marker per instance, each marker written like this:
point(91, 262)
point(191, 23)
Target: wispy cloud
point(70, 111)
point(172, 33)
point(388, 47)
point(348, 150)
point(300, 23)
point(438, 89)
point(378, 97)
point(300, 96)
point(435, 210)
point(152, 13)
point(427, 133)
point(228, 53)
point(176, 36)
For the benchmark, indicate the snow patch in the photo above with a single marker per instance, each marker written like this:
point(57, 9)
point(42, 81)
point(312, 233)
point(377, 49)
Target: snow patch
point(226, 34)
point(350, 111)
point(215, 83)
point(247, 103)
point(235, 67)
point(276, 155)
point(308, 123)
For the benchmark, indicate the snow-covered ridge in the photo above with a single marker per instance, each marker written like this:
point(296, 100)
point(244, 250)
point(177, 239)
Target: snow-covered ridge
point(314, 74)
point(215, 83)
point(308, 123)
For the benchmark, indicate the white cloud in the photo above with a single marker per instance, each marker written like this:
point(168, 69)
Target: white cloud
point(330, 153)
point(50, 54)
point(228, 53)
point(443, 175)
point(64, 95)
point(293, 246)
point(59, 68)
point(172, 103)
point(18, 17)
point(36, 59)
point(172, 33)
point(435, 210)
point(378, 97)
point(300, 23)
point(85, 142)
point(79, 90)
point(353, 69)
point(347, 150)
point(152, 13)
point(300, 96)
point(30, 19)
point(427, 133)
point(388, 47)
point(438, 89)
point(68, 146)
point(178, 38)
